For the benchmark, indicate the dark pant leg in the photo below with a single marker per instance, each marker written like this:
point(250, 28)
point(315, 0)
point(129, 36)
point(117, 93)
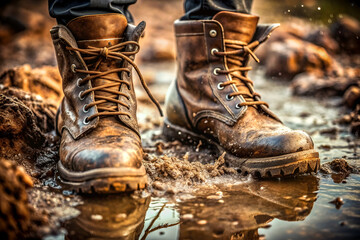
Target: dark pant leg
point(206, 9)
point(66, 10)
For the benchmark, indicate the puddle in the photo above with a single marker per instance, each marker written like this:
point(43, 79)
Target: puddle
point(291, 208)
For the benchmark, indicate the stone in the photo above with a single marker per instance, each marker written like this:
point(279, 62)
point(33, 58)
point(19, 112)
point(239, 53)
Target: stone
point(309, 84)
point(346, 31)
point(293, 56)
point(352, 96)
point(323, 38)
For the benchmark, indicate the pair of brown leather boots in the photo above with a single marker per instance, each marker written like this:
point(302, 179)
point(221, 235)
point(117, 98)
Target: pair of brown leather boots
point(211, 100)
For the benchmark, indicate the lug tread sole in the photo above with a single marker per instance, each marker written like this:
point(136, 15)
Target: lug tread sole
point(103, 180)
point(269, 167)
point(107, 185)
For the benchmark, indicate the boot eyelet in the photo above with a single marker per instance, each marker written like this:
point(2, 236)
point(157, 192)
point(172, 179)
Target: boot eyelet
point(84, 109)
point(238, 106)
point(214, 50)
point(213, 33)
point(78, 82)
point(73, 67)
point(220, 86)
point(80, 97)
point(86, 121)
point(216, 71)
point(229, 98)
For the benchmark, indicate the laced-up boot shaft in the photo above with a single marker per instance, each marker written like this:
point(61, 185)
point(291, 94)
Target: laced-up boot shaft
point(214, 101)
point(100, 146)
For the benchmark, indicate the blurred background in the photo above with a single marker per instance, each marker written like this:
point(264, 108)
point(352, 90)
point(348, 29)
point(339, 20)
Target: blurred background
point(309, 73)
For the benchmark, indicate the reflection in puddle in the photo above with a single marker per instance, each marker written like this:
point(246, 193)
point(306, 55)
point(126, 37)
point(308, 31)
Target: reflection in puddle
point(222, 212)
point(109, 217)
point(244, 208)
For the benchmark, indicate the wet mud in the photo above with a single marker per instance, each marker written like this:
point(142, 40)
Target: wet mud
point(192, 194)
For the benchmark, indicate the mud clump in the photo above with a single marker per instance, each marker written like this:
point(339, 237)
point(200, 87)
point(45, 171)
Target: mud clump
point(15, 211)
point(338, 166)
point(44, 81)
point(30, 213)
point(339, 169)
point(175, 173)
point(26, 130)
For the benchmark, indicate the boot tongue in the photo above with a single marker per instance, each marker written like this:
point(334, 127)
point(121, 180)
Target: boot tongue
point(99, 30)
point(237, 26)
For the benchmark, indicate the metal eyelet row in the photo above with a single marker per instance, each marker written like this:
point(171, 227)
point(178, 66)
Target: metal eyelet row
point(213, 33)
point(221, 87)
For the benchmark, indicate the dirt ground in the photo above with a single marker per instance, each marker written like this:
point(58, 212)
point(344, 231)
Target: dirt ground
point(315, 61)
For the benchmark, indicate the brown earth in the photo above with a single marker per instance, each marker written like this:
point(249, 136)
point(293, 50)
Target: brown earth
point(27, 119)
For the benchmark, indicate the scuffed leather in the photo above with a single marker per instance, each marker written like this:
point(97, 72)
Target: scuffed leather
point(109, 145)
point(251, 131)
point(71, 116)
point(105, 142)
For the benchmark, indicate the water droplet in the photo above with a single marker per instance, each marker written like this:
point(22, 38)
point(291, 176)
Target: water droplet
point(202, 222)
point(96, 217)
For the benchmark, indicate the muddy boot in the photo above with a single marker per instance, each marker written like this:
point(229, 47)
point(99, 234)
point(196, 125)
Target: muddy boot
point(100, 147)
point(213, 100)
point(122, 217)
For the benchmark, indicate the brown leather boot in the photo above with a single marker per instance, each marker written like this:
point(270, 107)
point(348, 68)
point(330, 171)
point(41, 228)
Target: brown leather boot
point(100, 147)
point(214, 101)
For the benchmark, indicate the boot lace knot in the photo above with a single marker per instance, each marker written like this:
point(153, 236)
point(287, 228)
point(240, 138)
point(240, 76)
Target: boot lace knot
point(104, 52)
point(236, 56)
point(93, 57)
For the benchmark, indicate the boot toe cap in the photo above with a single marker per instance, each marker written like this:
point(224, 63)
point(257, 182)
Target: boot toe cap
point(89, 159)
point(285, 143)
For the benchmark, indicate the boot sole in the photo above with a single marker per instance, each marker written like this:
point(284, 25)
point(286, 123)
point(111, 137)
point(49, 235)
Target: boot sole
point(103, 180)
point(268, 167)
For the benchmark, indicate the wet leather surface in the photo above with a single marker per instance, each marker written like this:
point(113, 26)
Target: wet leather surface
point(248, 131)
point(103, 142)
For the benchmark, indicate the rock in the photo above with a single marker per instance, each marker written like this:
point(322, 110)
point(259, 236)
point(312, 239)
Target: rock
point(346, 31)
point(310, 84)
point(352, 96)
point(159, 50)
point(338, 202)
point(159, 185)
point(292, 30)
point(15, 211)
point(24, 34)
point(323, 38)
point(293, 56)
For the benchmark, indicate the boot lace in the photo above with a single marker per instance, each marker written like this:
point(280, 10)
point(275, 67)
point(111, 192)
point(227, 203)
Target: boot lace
point(93, 56)
point(236, 57)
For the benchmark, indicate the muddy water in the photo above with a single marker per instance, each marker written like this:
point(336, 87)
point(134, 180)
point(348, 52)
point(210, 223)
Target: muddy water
point(224, 208)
